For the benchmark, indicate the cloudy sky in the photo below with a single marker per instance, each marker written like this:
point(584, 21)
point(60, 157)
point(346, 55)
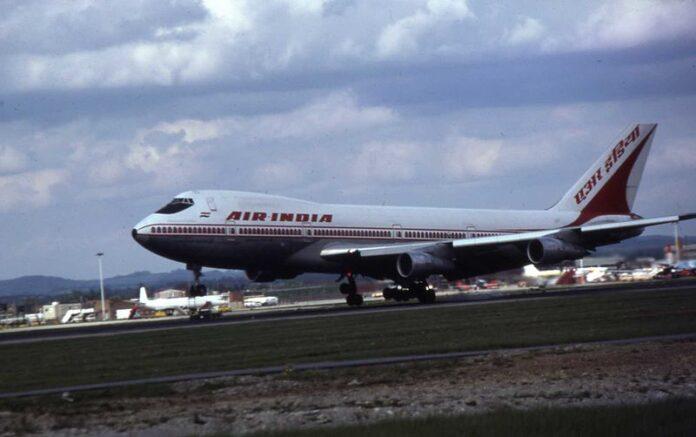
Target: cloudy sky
point(109, 109)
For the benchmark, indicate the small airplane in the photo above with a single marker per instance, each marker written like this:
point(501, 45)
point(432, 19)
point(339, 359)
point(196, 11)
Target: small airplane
point(274, 237)
point(180, 304)
point(260, 301)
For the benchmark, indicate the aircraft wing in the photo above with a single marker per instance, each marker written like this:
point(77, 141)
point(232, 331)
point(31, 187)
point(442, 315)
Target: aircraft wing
point(640, 223)
point(489, 244)
point(385, 250)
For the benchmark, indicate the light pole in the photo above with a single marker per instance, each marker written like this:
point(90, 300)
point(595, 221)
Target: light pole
point(101, 285)
point(677, 251)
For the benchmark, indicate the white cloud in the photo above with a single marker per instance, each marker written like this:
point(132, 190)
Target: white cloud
point(192, 130)
point(403, 37)
point(62, 27)
point(628, 23)
point(470, 157)
point(675, 155)
point(386, 161)
point(30, 189)
point(336, 112)
point(11, 160)
point(169, 165)
point(276, 175)
point(106, 172)
point(525, 31)
point(238, 41)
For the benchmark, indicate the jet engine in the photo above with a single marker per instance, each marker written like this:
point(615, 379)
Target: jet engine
point(268, 275)
point(418, 265)
point(549, 250)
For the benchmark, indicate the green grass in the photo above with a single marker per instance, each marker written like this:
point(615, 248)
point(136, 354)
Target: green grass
point(437, 329)
point(668, 418)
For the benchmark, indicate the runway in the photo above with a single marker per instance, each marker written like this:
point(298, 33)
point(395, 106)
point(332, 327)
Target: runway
point(63, 332)
point(330, 365)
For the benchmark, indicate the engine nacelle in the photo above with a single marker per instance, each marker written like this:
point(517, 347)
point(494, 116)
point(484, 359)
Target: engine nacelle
point(549, 250)
point(417, 265)
point(268, 275)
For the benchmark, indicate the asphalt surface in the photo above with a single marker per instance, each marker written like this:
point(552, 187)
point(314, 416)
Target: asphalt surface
point(29, 335)
point(329, 365)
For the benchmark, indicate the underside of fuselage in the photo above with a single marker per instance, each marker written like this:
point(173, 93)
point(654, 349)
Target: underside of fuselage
point(302, 255)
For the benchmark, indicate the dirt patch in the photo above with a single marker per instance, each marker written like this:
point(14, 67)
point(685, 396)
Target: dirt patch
point(571, 376)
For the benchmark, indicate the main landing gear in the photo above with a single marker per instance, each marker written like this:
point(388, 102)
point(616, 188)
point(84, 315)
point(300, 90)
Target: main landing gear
point(350, 289)
point(419, 290)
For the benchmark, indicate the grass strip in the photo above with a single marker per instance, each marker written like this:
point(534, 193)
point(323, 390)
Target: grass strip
point(436, 329)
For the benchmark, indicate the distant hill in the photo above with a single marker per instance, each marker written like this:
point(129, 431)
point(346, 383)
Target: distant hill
point(52, 285)
point(640, 247)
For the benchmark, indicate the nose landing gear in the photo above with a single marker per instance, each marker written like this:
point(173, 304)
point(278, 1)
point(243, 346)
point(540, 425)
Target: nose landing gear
point(196, 289)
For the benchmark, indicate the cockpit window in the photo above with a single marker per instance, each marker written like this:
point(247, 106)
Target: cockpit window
point(176, 205)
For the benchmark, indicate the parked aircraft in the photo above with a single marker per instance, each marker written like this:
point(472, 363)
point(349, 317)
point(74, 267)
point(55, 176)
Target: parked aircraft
point(274, 237)
point(260, 301)
point(181, 304)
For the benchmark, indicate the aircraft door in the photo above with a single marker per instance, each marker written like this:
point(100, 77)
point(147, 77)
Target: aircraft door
point(211, 204)
point(306, 231)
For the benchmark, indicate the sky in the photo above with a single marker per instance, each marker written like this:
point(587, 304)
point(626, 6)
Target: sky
point(109, 109)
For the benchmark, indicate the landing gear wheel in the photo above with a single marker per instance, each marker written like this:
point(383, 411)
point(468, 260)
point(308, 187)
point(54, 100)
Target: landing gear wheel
point(423, 292)
point(347, 288)
point(354, 299)
point(402, 296)
point(389, 293)
point(427, 296)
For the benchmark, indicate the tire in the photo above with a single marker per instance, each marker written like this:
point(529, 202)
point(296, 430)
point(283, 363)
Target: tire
point(426, 297)
point(354, 299)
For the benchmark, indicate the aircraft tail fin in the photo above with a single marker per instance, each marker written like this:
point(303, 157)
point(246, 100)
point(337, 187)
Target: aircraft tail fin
point(609, 187)
point(143, 295)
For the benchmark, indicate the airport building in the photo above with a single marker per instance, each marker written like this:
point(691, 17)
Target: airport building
point(55, 311)
point(112, 306)
point(170, 293)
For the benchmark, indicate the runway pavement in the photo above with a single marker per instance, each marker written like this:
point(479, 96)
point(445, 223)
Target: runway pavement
point(63, 332)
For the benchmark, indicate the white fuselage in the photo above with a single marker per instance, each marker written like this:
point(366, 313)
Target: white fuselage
point(184, 302)
point(259, 232)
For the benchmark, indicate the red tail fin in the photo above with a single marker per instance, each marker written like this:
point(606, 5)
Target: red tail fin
point(609, 187)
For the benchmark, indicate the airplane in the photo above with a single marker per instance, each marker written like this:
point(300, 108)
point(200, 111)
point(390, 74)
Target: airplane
point(274, 237)
point(260, 301)
point(182, 304)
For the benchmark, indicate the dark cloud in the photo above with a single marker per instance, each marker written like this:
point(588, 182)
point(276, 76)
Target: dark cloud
point(40, 27)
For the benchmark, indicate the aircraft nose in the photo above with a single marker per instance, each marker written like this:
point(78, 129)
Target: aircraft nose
point(134, 233)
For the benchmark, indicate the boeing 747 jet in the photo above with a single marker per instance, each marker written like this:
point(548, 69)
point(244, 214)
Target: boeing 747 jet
point(274, 237)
